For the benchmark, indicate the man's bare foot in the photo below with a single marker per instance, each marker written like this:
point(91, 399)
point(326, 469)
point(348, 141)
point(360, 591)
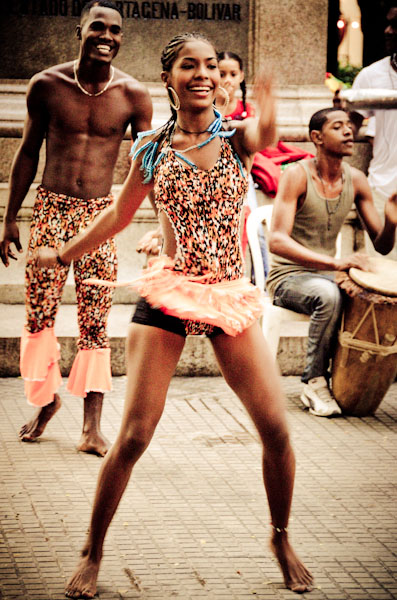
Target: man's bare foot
point(32, 430)
point(82, 584)
point(296, 577)
point(93, 443)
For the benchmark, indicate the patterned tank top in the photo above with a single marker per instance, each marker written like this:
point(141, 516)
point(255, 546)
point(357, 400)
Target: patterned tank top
point(204, 208)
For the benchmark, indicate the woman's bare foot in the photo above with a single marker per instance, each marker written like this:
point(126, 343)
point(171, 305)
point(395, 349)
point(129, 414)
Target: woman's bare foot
point(93, 443)
point(32, 430)
point(296, 577)
point(82, 584)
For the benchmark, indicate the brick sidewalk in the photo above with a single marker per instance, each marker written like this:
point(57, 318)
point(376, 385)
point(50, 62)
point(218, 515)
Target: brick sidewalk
point(193, 523)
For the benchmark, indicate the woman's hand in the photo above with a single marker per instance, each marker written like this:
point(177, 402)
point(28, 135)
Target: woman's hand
point(47, 258)
point(264, 96)
point(259, 133)
point(151, 242)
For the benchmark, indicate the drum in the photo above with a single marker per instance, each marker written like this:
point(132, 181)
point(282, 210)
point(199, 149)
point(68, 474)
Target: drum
point(365, 362)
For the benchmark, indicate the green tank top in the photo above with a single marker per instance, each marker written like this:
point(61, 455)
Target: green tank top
point(317, 224)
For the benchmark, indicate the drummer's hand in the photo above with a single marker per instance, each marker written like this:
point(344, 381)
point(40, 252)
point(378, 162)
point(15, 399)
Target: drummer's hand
point(338, 102)
point(391, 209)
point(357, 260)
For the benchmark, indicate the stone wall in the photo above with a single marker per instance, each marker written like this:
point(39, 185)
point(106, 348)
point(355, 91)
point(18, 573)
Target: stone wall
point(290, 35)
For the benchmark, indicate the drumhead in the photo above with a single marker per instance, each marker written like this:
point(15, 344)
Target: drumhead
point(382, 278)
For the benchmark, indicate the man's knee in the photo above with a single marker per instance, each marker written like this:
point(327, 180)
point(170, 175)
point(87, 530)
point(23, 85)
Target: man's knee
point(328, 298)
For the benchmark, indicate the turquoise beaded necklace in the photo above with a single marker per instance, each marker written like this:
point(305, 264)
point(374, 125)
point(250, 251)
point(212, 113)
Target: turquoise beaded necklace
point(150, 160)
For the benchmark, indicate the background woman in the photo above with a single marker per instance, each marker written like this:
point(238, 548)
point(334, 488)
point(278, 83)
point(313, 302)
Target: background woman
point(235, 109)
point(233, 80)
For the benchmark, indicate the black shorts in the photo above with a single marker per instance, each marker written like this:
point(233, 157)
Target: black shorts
point(154, 317)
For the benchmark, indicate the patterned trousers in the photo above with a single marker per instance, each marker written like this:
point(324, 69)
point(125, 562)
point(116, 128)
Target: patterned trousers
point(56, 219)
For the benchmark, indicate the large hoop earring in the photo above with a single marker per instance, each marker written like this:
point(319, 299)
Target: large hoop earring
point(173, 98)
point(227, 98)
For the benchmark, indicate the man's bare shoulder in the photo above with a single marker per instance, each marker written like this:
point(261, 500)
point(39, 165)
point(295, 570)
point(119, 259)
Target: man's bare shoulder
point(52, 75)
point(293, 183)
point(358, 176)
point(294, 172)
point(130, 85)
point(360, 182)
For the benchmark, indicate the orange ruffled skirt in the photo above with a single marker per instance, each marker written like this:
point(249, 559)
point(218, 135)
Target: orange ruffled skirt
point(231, 305)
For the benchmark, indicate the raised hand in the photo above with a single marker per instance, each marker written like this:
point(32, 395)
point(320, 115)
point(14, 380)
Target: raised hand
point(264, 96)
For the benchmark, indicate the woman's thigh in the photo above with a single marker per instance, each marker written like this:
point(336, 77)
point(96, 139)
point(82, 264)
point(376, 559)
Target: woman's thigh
point(152, 355)
point(252, 373)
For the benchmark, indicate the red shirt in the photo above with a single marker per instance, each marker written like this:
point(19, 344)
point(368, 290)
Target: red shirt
point(239, 114)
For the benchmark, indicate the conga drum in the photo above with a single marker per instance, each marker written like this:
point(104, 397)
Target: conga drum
point(365, 361)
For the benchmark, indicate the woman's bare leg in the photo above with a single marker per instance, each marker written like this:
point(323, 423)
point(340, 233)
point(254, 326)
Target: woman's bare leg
point(250, 371)
point(152, 356)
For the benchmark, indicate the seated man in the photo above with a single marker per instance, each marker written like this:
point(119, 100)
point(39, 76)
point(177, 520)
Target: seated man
point(312, 202)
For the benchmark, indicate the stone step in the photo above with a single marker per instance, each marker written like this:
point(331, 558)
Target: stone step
point(197, 357)
point(295, 105)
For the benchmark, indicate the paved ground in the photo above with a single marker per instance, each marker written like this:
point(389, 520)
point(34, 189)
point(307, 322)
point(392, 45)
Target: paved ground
point(193, 523)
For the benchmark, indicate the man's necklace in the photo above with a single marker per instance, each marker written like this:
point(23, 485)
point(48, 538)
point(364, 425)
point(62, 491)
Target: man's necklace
point(331, 210)
point(85, 91)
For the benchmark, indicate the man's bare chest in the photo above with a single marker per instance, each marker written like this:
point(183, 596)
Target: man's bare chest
point(93, 119)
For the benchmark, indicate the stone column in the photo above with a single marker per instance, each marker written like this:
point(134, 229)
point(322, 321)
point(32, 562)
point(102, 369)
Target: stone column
point(291, 36)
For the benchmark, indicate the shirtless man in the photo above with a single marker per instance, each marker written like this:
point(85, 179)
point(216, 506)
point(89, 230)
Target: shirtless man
point(82, 110)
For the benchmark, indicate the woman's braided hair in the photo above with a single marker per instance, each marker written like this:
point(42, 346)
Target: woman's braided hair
point(168, 57)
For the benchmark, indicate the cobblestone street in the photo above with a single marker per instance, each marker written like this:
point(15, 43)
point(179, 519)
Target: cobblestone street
point(194, 521)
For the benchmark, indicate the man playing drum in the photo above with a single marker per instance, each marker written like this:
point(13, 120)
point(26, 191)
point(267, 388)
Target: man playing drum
point(313, 200)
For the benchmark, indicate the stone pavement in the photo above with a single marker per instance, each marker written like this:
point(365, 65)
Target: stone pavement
point(193, 523)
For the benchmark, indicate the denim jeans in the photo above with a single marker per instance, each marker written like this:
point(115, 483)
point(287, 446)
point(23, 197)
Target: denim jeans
point(318, 296)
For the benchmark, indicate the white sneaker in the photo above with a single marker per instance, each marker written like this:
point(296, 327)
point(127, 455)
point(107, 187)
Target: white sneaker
point(318, 398)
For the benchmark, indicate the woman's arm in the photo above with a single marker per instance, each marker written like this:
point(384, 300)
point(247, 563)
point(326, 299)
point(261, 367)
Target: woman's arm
point(252, 134)
point(107, 224)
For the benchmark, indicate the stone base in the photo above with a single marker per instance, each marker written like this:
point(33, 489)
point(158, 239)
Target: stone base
point(197, 357)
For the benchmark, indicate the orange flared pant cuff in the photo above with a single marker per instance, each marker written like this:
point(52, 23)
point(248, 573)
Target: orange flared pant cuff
point(90, 372)
point(39, 365)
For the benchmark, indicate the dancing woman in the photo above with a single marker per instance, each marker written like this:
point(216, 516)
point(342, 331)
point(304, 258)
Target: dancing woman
point(199, 173)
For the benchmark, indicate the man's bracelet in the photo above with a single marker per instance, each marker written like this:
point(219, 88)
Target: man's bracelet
point(60, 261)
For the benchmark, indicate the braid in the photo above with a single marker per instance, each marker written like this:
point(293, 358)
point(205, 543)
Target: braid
point(243, 88)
